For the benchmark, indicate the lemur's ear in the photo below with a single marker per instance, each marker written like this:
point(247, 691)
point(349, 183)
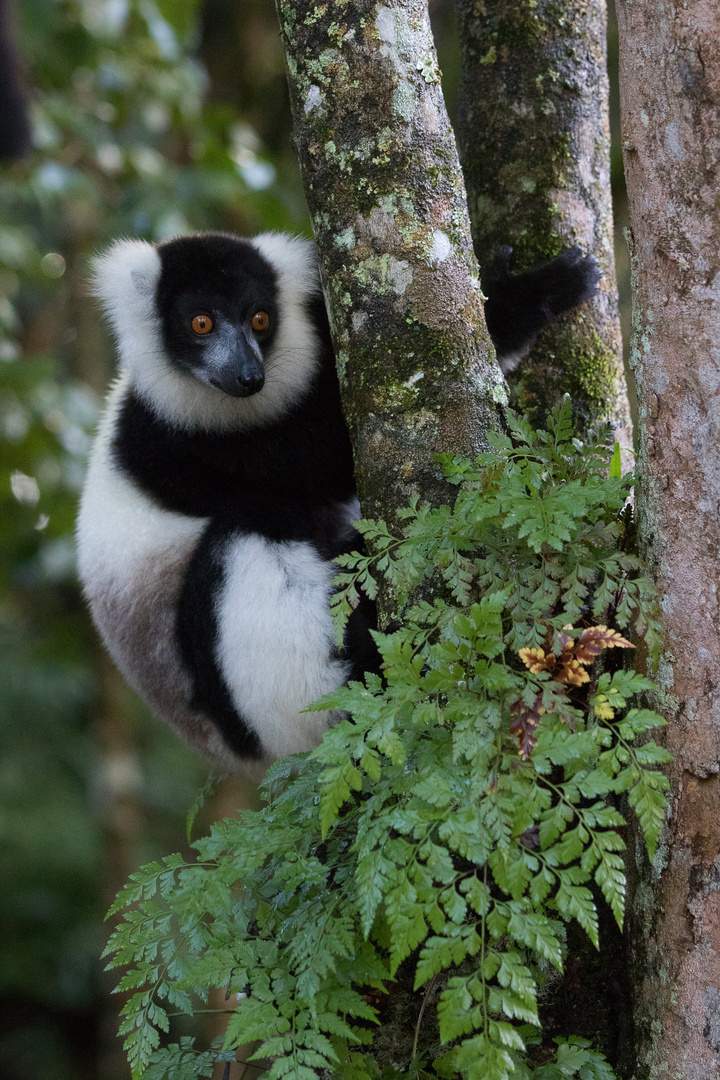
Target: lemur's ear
point(124, 279)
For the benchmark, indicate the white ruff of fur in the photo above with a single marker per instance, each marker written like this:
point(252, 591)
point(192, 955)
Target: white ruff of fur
point(118, 526)
point(125, 281)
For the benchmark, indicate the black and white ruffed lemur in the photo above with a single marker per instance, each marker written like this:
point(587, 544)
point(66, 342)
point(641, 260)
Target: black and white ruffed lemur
point(220, 486)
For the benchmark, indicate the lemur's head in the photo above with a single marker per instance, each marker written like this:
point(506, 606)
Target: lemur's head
point(216, 332)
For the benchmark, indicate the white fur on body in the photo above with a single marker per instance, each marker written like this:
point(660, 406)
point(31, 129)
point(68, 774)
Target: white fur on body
point(275, 641)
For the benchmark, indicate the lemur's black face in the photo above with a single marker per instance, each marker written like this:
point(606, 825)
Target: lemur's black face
point(217, 302)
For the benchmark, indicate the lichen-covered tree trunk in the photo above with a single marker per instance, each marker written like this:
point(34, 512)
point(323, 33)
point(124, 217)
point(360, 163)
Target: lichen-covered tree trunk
point(670, 111)
point(389, 213)
point(534, 140)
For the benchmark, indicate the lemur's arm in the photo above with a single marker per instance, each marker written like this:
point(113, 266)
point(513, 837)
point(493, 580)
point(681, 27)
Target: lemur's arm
point(520, 305)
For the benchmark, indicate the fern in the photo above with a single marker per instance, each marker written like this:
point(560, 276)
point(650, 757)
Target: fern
point(447, 832)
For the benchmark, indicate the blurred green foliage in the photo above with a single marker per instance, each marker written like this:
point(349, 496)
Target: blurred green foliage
point(124, 143)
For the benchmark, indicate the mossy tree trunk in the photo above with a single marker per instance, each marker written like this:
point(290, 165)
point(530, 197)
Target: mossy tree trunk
point(534, 140)
point(389, 214)
point(670, 113)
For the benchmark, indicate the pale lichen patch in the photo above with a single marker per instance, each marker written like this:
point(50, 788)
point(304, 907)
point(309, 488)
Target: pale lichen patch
point(400, 275)
point(396, 201)
point(385, 273)
point(440, 249)
point(428, 68)
point(313, 100)
point(386, 26)
point(345, 240)
point(499, 392)
point(404, 102)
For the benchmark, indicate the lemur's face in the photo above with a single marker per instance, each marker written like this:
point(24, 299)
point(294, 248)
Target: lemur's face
point(216, 333)
point(217, 299)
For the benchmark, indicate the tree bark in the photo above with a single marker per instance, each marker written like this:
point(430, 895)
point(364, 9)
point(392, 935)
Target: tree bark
point(534, 140)
point(670, 110)
point(387, 202)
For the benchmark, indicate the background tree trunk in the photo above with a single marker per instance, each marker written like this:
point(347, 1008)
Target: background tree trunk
point(534, 140)
point(670, 109)
point(388, 207)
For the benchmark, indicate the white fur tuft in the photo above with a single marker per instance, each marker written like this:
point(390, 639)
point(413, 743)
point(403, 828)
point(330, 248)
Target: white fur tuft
point(293, 359)
point(124, 279)
point(293, 259)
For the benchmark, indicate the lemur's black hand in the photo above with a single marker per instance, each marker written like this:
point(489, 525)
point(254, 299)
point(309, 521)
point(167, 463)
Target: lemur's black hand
point(520, 305)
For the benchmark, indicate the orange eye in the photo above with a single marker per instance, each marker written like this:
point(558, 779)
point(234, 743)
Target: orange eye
point(260, 321)
point(202, 324)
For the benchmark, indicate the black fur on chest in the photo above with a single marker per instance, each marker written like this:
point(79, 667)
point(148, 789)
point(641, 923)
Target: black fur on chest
point(268, 480)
